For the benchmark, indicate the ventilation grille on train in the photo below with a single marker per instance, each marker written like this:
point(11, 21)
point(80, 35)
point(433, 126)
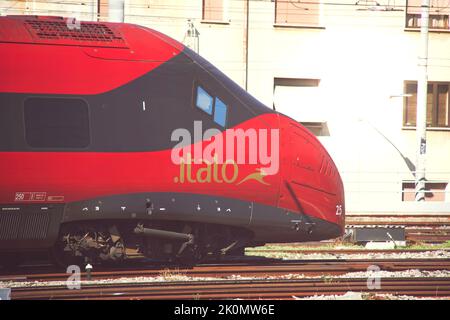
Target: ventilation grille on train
point(326, 168)
point(78, 32)
point(24, 226)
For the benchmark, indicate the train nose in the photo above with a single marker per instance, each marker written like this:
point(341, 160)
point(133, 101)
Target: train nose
point(340, 200)
point(331, 184)
point(314, 183)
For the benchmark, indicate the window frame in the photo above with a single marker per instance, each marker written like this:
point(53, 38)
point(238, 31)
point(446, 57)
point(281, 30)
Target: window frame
point(435, 105)
point(89, 128)
point(430, 190)
point(417, 16)
point(224, 19)
point(319, 129)
point(281, 24)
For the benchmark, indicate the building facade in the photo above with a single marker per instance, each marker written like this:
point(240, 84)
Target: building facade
point(348, 71)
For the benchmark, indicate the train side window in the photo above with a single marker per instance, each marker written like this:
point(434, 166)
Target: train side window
point(56, 123)
point(220, 112)
point(204, 101)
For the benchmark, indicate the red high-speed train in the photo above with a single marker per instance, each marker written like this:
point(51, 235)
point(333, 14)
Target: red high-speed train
point(117, 140)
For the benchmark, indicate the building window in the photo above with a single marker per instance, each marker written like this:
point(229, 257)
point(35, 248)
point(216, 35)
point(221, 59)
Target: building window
point(437, 104)
point(56, 123)
point(435, 191)
point(213, 10)
point(439, 14)
point(301, 99)
point(319, 129)
point(295, 12)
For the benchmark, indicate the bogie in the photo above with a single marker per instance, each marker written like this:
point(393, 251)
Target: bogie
point(109, 242)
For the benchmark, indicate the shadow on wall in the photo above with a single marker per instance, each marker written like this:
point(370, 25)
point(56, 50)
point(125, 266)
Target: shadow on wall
point(411, 166)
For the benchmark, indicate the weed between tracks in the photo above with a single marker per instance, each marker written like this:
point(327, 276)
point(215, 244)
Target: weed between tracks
point(332, 251)
point(427, 246)
point(329, 279)
point(343, 246)
point(173, 275)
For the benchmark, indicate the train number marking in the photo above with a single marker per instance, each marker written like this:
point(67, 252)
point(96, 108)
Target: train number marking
point(20, 196)
point(30, 196)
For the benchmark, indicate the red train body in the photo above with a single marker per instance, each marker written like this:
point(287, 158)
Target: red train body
point(89, 114)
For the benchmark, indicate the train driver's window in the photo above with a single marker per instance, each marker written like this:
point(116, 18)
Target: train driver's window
point(220, 112)
point(204, 101)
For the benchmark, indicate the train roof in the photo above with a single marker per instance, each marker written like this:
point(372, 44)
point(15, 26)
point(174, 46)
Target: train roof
point(56, 30)
point(91, 57)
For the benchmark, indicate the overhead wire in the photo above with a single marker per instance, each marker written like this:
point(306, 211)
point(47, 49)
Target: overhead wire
point(166, 19)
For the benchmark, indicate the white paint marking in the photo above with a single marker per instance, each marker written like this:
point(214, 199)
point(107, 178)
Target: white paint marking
point(10, 209)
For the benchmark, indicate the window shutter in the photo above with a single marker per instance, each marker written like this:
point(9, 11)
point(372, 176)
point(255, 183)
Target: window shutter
point(213, 10)
point(443, 114)
point(297, 12)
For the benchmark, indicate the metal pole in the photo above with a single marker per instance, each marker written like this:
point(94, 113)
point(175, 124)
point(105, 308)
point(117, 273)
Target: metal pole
point(98, 10)
point(421, 120)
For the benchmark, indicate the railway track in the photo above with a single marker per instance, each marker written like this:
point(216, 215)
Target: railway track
point(271, 268)
point(252, 278)
point(338, 252)
point(255, 289)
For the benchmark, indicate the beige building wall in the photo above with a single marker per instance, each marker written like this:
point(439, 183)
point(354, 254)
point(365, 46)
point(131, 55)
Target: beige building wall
point(361, 57)
point(83, 10)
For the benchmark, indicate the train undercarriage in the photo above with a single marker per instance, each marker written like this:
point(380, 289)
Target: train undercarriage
point(117, 241)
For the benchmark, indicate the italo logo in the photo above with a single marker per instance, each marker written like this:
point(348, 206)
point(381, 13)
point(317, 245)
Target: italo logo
point(215, 156)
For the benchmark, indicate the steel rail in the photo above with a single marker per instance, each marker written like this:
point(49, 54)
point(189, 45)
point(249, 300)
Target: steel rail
point(258, 268)
point(255, 289)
